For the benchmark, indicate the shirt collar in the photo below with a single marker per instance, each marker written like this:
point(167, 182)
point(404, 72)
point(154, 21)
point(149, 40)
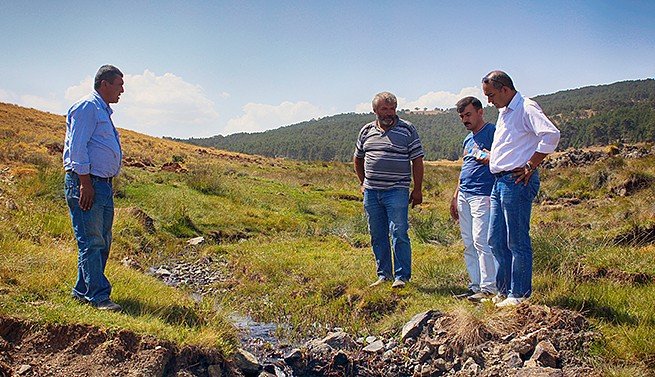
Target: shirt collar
point(105, 105)
point(515, 102)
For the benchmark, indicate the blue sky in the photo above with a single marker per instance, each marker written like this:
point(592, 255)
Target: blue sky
point(202, 68)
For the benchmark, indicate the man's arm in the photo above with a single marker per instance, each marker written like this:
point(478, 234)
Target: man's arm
point(453, 205)
point(359, 170)
point(416, 197)
point(82, 126)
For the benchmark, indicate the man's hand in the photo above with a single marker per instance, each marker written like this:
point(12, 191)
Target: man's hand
point(485, 160)
point(522, 174)
point(453, 209)
point(416, 197)
point(86, 192)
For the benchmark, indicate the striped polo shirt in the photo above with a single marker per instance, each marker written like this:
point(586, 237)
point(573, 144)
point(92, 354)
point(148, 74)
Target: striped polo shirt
point(387, 155)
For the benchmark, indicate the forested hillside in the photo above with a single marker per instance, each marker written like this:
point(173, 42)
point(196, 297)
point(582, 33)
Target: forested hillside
point(594, 115)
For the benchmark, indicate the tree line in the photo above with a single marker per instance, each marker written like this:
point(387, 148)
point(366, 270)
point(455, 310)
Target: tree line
point(593, 115)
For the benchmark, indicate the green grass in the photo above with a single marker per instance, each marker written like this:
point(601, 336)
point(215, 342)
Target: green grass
point(293, 240)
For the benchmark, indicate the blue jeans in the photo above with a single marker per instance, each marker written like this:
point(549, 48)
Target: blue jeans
point(386, 211)
point(92, 230)
point(509, 234)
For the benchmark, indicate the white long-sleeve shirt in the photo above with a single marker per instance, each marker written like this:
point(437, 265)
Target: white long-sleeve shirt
point(522, 129)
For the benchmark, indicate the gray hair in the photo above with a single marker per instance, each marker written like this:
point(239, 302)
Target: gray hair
point(386, 97)
point(498, 79)
point(108, 73)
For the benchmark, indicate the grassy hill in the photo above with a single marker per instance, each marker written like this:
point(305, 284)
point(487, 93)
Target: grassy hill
point(288, 240)
point(594, 115)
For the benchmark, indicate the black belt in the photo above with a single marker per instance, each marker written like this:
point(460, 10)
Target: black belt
point(97, 178)
point(502, 173)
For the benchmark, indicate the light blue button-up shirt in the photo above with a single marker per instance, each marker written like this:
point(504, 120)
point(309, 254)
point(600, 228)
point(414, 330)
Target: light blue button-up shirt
point(92, 144)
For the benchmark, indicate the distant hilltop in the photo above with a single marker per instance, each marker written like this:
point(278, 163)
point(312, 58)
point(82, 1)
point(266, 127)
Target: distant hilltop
point(594, 115)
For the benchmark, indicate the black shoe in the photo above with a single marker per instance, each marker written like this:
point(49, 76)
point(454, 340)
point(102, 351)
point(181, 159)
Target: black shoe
point(462, 296)
point(79, 299)
point(108, 305)
point(481, 296)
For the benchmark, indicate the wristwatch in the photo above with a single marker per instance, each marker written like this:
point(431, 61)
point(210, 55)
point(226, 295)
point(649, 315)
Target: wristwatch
point(530, 167)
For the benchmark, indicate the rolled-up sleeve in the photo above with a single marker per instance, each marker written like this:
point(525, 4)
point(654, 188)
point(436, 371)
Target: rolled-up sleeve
point(542, 127)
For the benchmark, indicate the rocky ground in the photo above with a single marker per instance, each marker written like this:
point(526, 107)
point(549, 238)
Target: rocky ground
point(529, 340)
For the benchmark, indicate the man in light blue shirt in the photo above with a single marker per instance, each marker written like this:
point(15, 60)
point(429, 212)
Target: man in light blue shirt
point(92, 157)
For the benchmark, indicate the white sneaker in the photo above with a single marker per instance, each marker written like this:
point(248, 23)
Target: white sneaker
point(381, 280)
point(398, 284)
point(510, 301)
point(498, 298)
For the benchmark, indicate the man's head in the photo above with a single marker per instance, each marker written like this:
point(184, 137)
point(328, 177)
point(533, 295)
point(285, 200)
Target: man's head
point(499, 88)
point(384, 107)
point(471, 113)
point(109, 83)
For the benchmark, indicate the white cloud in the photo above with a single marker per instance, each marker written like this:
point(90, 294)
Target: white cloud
point(431, 100)
point(159, 105)
point(50, 103)
point(259, 117)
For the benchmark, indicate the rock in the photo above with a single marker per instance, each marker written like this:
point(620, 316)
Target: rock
point(370, 339)
point(247, 362)
point(471, 366)
point(294, 358)
point(425, 354)
point(24, 369)
point(545, 354)
point(415, 325)
point(340, 360)
point(523, 345)
point(539, 372)
point(196, 241)
point(513, 360)
point(375, 347)
point(214, 370)
point(318, 346)
point(339, 340)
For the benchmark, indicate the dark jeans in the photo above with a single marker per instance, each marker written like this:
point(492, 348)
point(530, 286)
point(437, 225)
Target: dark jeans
point(92, 230)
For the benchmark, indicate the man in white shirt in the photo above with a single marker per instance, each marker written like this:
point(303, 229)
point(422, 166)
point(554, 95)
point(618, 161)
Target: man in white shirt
point(524, 137)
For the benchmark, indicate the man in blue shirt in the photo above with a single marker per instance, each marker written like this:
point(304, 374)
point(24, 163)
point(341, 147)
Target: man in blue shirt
point(388, 153)
point(92, 157)
point(471, 204)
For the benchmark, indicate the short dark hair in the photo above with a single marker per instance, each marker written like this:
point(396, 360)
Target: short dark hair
point(462, 103)
point(498, 79)
point(108, 73)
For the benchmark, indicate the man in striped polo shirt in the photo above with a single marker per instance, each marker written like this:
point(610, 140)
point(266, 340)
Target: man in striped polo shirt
point(387, 154)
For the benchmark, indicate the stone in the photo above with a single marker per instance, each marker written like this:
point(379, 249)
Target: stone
point(513, 360)
point(370, 339)
point(415, 325)
point(214, 370)
point(545, 354)
point(375, 347)
point(294, 358)
point(24, 369)
point(247, 362)
point(339, 340)
point(539, 372)
point(340, 360)
point(196, 241)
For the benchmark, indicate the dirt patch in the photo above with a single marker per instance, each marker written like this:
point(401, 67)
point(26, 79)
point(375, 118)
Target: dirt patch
point(29, 349)
point(637, 236)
